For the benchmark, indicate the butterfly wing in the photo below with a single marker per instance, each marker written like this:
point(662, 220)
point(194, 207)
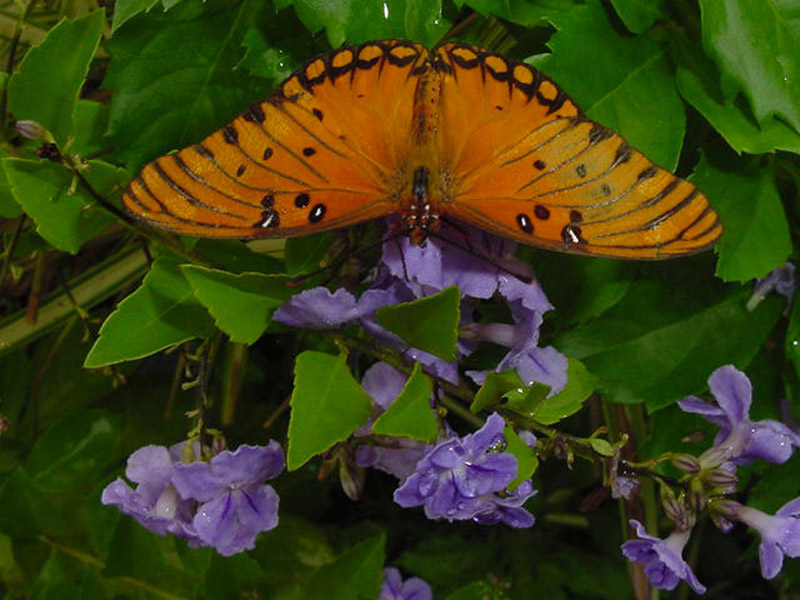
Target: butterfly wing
point(323, 152)
point(524, 162)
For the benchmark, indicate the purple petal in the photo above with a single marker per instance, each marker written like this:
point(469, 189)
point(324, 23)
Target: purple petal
point(231, 522)
point(383, 383)
point(150, 464)
point(318, 308)
point(543, 365)
point(733, 392)
point(790, 509)
point(204, 481)
point(491, 433)
point(771, 559)
point(769, 440)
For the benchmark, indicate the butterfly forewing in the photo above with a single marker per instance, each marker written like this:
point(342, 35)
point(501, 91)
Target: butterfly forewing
point(324, 152)
point(524, 162)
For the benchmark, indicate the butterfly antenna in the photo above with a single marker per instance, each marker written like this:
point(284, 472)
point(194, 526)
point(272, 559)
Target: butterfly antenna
point(467, 247)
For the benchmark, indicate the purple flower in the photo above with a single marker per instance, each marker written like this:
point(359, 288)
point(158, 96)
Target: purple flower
point(222, 503)
point(234, 504)
point(532, 363)
point(394, 588)
point(482, 266)
point(739, 440)
point(460, 479)
point(662, 559)
point(780, 534)
point(155, 502)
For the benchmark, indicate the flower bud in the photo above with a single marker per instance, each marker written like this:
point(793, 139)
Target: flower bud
point(31, 130)
point(686, 463)
point(720, 478)
point(728, 509)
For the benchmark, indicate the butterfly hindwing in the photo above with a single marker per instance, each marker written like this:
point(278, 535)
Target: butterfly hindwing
point(525, 163)
point(322, 153)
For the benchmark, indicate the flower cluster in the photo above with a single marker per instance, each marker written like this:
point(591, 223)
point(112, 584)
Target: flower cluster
point(459, 478)
point(482, 266)
point(223, 502)
point(739, 442)
point(467, 478)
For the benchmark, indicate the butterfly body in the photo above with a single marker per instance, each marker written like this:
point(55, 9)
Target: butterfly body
point(392, 128)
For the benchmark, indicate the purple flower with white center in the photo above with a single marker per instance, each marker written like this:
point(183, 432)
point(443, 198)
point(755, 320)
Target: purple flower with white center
point(458, 479)
point(399, 456)
point(662, 559)
point(394, 588)
point(740, 440)
point(155, 503)
point(780, 534)
point(234, 503)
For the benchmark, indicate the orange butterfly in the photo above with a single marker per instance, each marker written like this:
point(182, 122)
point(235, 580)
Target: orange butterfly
point(390, 127)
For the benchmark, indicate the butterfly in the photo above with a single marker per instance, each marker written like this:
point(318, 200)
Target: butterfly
point(392, 128)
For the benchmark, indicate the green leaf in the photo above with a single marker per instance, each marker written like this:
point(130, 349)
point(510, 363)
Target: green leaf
point(10, 572)
point(528, 400)
point(74, 452)
point(420, 20)
point(429, 324)
point(49, 79)
point(638, 15)
point(127, 9)
point(161, 313)
point(27, 512)
point(174, 80)
point(327, 406)
point(698, 83)
point(629, 87)
point(9, 207)
point(495, 387)
point(241, 305)
point(477, 590)
point(671, 348)
point(63, 577)
point(758, 49)
point(410, 414)
point(580, 385)
point(137, 554)
point(66, 215)
point(527, 461)
point(756, 237)
point(316, 14)
point(792, 340)
point(356, 574)
point(305, 255)
point(522, 12)
point(91, 124)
